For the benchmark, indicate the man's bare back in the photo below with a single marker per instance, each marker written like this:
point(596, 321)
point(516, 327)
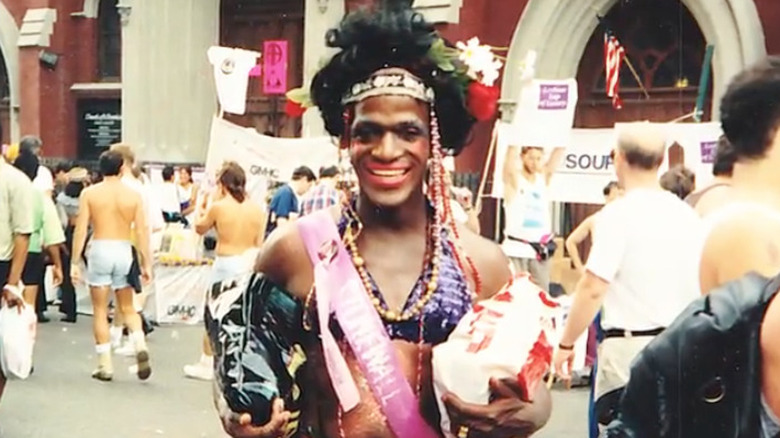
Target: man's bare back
point(240, 225)
point(113, 208)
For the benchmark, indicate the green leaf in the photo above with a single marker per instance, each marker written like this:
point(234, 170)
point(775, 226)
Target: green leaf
point(438, 54)
point(300, 96)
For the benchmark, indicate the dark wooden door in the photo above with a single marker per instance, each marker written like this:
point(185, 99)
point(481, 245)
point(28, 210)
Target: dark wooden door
point(247, 24)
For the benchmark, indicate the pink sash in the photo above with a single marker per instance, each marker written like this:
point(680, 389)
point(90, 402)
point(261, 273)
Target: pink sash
point(341, 291)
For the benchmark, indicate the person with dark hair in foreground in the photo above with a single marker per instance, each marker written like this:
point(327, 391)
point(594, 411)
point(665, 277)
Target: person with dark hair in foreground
point(112, 209)
point(397, 112)
point(716, 371)
point(239, 225)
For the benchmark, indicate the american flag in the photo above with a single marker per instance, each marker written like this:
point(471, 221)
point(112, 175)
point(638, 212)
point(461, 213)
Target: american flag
point(614, 53)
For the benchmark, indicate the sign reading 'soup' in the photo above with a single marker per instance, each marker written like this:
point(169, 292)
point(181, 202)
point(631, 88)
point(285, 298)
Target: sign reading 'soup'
point(544, 114)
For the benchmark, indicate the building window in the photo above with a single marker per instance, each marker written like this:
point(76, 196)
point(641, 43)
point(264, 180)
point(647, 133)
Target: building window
point(662, 41)
point(5, 88)
point(109, 42)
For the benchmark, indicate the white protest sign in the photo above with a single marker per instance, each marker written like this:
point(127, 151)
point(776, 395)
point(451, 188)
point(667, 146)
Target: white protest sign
point(587, 168)
point(265, 159)
point(544, 114)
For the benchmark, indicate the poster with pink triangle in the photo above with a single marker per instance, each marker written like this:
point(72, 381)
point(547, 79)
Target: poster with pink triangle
point(274, 67)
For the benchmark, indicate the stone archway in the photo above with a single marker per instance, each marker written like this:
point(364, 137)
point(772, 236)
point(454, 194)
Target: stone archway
point(9, 35)
point(559, 30)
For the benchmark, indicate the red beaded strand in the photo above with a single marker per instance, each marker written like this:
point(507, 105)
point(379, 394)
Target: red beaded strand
point(439, 191)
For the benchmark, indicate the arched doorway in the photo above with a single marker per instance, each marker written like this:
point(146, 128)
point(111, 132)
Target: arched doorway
point(9, 77)
point(559, 31)
point(664, 44)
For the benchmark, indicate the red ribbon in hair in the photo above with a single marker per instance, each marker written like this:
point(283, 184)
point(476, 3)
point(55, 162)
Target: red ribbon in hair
point(482, 101)
point(294, 109)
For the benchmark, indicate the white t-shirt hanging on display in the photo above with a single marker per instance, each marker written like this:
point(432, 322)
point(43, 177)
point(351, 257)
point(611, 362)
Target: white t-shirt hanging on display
point(231, 73)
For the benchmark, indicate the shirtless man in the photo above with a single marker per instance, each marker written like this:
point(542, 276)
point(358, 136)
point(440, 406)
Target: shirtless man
point(744, 234)
point(611, 192)
point(240, 229)
point(113, 209)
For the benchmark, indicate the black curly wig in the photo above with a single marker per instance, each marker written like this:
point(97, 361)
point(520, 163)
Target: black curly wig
point(393, 36)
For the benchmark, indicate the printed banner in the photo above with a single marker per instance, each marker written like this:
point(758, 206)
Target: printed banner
point(264, 159)
point(587, 168)
point(178, 294)
point(544, 114)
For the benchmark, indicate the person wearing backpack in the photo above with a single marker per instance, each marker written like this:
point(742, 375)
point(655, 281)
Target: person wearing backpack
point(716, 371)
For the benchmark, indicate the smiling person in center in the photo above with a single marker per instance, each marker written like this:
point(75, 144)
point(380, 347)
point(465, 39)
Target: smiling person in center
point(397, 112)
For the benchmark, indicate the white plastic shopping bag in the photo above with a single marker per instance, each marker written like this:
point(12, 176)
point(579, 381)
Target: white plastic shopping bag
point(17, 339)
point(506, 336)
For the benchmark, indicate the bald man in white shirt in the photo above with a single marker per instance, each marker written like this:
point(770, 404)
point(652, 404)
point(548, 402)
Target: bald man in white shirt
point(643, 267)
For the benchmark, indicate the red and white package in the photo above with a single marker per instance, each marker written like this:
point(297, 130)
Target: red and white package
point(506, 336)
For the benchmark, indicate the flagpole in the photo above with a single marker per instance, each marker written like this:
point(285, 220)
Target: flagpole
point(636, 76)
point(625, 58)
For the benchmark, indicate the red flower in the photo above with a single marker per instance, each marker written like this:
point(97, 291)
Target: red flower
point(482, 101)
point(294, 109)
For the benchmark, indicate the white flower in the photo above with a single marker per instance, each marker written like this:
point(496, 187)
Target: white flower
point(491, 72)
point(481, 63)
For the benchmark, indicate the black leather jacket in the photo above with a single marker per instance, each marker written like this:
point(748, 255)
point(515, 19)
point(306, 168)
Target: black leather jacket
point(701, 377)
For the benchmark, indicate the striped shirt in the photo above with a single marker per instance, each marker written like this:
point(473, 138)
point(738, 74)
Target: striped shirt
point(320, 197)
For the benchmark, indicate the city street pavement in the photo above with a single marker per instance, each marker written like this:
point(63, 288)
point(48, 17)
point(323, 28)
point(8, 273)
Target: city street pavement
point(61, 400)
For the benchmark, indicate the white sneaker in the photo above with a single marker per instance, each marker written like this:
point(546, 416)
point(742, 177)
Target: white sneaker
point(126, 349)
point(199, 371)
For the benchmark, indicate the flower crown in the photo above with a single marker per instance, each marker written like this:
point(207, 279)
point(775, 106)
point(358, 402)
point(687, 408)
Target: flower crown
point(474, 65)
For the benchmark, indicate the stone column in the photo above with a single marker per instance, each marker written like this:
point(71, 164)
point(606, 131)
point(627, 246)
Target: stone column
point(168, 92)
point(34, 36)
point(320, 16)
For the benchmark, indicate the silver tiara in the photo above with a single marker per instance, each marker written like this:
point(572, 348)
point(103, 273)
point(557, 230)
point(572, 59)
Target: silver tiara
point(389, 82)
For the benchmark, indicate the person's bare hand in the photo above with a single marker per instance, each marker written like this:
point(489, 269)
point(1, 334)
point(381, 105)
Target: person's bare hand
point(75, 274)
point(507, 415)
point(146, 274)
point(563, 360)
point(13, 300)
point(240, 425)
point(57, 276)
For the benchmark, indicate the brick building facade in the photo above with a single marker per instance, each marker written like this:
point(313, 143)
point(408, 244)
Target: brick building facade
point(75, 71)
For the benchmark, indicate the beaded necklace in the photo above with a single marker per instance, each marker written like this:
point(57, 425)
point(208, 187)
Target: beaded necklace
point(433, 256)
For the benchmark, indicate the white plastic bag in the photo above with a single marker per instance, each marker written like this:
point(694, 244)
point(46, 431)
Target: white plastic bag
point(506, 336)
point(17, 340)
